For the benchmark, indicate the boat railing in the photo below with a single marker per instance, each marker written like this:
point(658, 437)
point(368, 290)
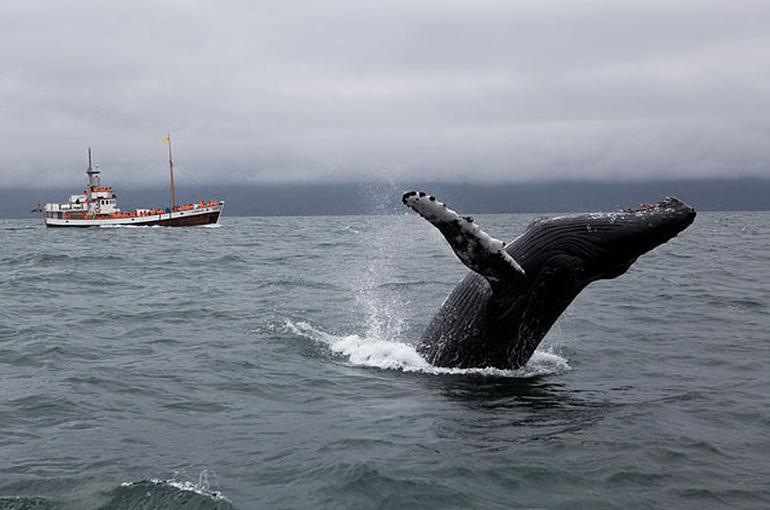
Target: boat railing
point(200, 205)
point(141, 213)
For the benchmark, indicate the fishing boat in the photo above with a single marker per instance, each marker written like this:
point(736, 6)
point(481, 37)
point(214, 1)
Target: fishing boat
point(97, 206)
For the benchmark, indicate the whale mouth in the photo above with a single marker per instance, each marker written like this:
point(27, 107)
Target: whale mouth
point(646, 225)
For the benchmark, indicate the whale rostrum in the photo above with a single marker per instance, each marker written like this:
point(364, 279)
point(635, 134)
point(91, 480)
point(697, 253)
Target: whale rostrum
point(499, 313)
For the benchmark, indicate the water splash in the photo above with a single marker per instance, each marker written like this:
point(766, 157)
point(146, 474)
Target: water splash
point(384, 309)
point(376, 352)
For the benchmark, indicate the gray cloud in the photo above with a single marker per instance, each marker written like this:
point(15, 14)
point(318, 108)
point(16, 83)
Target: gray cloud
point(454, 90)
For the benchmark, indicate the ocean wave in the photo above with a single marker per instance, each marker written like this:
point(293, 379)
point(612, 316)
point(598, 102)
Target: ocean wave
point(393, 355)
point(59, 259)
point(153, 493)
point(171, 493)
point(12, 229)
point(25, 503)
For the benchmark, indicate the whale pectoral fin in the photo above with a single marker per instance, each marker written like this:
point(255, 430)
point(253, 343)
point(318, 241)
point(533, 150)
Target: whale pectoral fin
point(475, 248)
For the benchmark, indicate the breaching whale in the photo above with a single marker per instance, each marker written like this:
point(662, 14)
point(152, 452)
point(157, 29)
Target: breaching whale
point(498, 314)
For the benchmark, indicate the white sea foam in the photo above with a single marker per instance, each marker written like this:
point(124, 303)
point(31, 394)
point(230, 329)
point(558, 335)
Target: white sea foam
point(200, 487)
point(392, 355)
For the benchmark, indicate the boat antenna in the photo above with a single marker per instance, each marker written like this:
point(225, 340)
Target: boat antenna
point(167, 140)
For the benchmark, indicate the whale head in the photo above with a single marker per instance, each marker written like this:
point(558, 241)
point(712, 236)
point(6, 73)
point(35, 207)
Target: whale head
point(598, 246)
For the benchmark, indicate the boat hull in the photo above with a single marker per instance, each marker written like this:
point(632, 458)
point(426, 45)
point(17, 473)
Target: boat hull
point(189, 218)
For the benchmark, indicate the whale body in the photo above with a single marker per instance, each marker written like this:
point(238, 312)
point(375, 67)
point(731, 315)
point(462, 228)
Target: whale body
point(501, 310)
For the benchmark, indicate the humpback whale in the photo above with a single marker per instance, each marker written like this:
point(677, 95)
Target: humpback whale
point(501, 310)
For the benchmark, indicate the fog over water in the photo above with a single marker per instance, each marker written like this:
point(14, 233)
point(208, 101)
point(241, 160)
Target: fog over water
point(379, 198)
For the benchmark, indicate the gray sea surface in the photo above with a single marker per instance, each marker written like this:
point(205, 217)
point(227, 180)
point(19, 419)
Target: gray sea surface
point(269, 363)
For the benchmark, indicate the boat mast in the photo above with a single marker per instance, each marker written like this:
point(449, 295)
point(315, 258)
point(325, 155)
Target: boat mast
point(90, 173)
point(93, 177)
point(171, 171)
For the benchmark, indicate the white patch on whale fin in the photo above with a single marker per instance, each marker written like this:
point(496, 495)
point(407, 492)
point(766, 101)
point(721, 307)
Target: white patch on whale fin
point(475, 248)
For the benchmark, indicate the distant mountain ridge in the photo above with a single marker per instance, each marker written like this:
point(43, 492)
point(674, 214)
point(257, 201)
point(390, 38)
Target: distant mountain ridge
point(378, 198)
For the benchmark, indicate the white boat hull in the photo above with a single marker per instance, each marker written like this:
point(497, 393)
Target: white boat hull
point(198, 216)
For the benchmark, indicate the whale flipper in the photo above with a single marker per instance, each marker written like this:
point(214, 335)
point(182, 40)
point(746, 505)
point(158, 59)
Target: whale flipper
point(475, 248)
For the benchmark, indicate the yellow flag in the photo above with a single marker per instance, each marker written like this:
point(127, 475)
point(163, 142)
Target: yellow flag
point(166, 139)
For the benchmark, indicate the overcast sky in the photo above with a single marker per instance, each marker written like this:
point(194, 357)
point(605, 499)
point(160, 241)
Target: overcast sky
point(455, 90)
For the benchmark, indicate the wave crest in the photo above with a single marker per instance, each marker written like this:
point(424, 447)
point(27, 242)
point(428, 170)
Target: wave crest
point(171, 493)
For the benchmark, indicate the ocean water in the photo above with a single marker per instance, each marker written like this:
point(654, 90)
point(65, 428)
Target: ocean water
point(269, 363)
